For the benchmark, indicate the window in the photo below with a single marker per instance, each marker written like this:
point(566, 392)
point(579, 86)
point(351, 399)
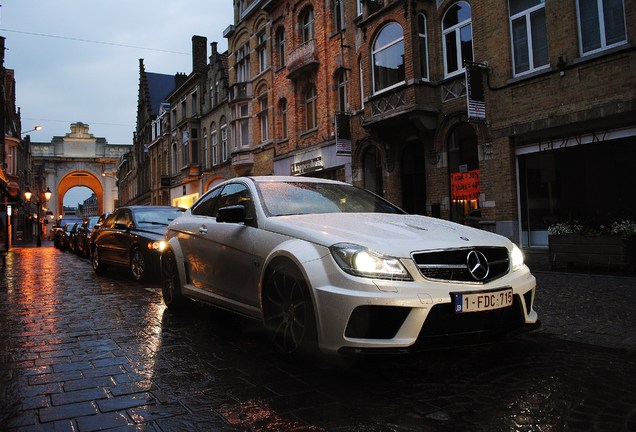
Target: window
point(280, 43)
point(338, 15)
point(261, 50)
point(360, 71)
point(282, 106)
point(223, 140)
point(343, 105)
point(359, 7)
point(242, 126)
point(243, 63)
point(195, 103)
point(373, 177)
point(262, 118)
point(206, 150)
point(529, 35)
point(184, 112)
point(463, 167)
point(194, 145)
point(388, 57)
point(175, 158)
point(601, 25)
point(185, 155)
point(310, 108)
point(422, 31)
point(457, 38)
point(214, 139)
point(173, 114)
point(307, 25)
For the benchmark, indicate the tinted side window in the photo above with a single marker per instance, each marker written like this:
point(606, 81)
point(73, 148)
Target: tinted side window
point(207, 205)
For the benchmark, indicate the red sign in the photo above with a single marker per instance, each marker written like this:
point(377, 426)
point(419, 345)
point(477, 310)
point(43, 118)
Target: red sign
point(465, 186)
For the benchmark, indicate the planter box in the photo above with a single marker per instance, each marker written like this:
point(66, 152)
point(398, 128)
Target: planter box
point(600, 251)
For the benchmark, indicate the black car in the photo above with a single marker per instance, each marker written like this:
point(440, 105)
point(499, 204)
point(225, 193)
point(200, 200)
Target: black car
point(71, 244)
point(131, 237)
point(61, 230)
point(84, 234)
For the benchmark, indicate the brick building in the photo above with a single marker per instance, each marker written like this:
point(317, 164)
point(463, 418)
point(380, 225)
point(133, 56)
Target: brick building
point(509, 115)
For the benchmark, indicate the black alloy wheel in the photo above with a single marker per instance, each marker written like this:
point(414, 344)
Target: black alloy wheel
point(137, 264)
point(288, 312)
point(96, 262)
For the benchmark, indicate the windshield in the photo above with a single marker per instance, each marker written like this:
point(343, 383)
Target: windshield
point(157, 216)
point(297, 198)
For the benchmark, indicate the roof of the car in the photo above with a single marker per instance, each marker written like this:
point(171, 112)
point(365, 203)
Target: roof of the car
point(296, 179)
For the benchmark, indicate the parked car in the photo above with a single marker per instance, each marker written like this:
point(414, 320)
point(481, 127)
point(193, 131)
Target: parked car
point(84, 233)
point(71, 244)
point(130, 237)
point(60, 231)
point(328, 267)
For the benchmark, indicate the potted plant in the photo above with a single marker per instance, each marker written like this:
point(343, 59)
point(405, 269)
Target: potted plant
point(574, 245)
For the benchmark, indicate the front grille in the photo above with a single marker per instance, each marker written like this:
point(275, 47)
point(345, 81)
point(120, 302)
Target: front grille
point(452, 265)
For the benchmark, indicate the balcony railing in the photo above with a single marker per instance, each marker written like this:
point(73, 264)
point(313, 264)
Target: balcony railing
point(302, 58)
point(240, 91)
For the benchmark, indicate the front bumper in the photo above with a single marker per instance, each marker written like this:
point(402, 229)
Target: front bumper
point(356, 314)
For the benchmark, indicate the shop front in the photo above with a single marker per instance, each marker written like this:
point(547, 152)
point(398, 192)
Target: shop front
point(589, 179)
point(324, 162)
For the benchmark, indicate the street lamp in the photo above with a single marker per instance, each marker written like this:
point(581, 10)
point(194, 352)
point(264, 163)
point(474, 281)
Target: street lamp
point(36, 128)
point(47, 196)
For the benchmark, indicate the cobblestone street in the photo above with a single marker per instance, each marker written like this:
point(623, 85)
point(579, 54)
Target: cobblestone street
point(81, 352)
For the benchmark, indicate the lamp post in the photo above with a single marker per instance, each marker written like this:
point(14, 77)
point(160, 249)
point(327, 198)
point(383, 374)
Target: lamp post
point(36, 128)
point(47, 196)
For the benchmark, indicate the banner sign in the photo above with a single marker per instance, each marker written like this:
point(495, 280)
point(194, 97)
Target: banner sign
point(465, 186)
point(475, 92)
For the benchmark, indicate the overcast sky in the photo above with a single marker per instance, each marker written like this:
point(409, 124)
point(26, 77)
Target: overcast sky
point(78, 60)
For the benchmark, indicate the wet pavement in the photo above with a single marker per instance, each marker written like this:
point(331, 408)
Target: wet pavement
point(81, 352)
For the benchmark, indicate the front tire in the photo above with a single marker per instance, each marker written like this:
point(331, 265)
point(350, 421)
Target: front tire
point(170, 286)
point(98, 266)
point(137, 265)
point(288, 312)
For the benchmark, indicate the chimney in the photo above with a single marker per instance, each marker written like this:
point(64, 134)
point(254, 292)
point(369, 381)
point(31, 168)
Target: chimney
point(213, 47)
point(199, 53)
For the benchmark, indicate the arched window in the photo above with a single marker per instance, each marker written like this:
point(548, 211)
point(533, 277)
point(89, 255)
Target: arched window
point(422, 31)
point(307, 25)
point(457, 38)
point(263, 118)
point(175, 158)
point(388, 57)
point(206, 149)
point(280, 44)
point(310, 108)
point(338, 15)
point(463, 166)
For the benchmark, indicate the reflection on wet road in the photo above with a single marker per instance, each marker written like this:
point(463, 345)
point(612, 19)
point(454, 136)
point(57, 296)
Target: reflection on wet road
point(86, 352)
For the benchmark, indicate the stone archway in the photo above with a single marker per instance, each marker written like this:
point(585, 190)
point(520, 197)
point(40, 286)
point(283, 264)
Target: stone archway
point(80, 178)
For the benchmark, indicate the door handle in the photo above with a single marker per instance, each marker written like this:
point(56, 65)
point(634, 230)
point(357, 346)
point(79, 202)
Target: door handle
point(203, 229)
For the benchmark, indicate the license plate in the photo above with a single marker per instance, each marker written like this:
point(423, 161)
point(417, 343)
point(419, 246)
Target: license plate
point(482, 300)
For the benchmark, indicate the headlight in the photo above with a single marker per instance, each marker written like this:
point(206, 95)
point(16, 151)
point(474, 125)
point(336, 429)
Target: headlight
point(516, 258)
point(158, 245)
point(360, 261)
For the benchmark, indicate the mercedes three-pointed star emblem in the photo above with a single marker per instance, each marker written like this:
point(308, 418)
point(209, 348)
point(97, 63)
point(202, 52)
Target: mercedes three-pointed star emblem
point(477, 265)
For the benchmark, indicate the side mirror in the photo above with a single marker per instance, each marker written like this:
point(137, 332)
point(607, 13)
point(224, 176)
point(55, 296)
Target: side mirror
point(120, 226)
point(231, 214)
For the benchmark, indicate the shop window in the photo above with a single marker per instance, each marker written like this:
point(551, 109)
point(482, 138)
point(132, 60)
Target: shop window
point(457, 38)
point(463, 165)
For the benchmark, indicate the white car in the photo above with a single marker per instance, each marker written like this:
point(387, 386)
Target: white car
point(328, 267)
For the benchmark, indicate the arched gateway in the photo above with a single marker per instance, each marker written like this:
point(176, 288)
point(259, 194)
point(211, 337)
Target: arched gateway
point(77, 159)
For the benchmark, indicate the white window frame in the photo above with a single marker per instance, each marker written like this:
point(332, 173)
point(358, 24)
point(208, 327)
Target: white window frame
point(224, 153)
point(527, 15)
point(378, 50)
point(456, 31)
point(261, 50)
point(603, 44)
point(423, 45)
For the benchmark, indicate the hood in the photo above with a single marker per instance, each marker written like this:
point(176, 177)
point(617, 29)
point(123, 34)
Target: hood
point(390, 234)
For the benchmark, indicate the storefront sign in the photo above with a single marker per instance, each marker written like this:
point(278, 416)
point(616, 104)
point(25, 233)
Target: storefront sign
point(310, 165)
point(465, 185)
